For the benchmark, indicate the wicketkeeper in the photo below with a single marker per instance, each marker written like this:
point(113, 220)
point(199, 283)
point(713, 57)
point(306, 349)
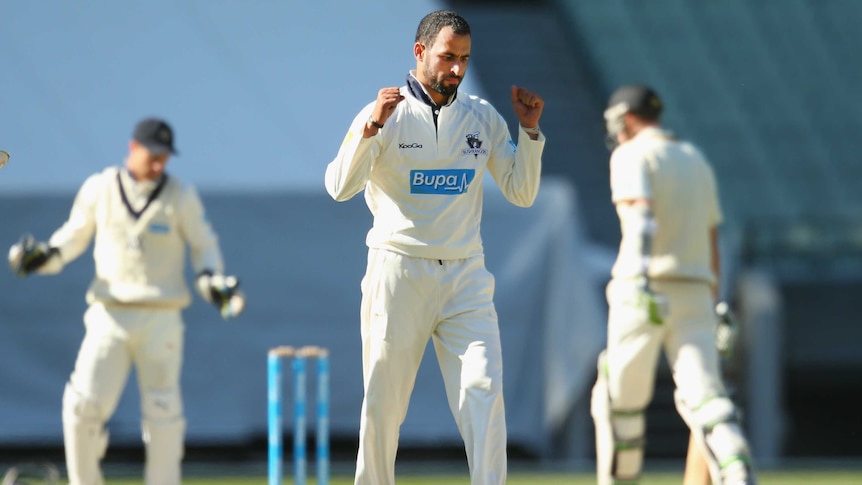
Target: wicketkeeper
point(142, 221)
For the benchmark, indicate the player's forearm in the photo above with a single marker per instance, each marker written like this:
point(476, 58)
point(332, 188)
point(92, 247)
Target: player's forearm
point(203, 244)
point(74, 236)
point(520, 187)
point(532, 132)
point(204, 250)
point(715, 262)
point(520, 179)
point(197, 232)
point(72, 239)
point(347, 175)
point(640, 228)
point(207, 258)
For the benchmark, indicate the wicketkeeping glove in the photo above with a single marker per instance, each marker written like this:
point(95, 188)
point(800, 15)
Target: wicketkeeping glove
point(28, 255)
point(727, 330)
point(223, 292)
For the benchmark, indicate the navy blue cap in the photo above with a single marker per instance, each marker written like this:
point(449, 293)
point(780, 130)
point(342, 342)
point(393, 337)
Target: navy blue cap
point(156, 135)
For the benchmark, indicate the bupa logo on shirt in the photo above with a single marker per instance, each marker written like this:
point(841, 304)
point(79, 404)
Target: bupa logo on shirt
point(475, 145)
point(159, 228)
point(446, 182)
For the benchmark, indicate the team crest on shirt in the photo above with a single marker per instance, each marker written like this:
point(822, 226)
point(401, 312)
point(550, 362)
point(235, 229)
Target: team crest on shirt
point(475, 145)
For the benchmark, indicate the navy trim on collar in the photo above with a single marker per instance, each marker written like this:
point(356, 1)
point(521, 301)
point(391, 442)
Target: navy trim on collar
point(415, 88)
point(155, 193)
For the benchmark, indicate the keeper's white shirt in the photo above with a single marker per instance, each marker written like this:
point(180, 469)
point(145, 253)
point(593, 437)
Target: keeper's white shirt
point(139, 261)
point(680, 184)
point(423, 184)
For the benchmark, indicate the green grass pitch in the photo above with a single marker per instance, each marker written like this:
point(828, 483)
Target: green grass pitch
point(765, 478)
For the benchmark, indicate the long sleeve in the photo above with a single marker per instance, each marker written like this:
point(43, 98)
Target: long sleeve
point(517, 170)
point(74, 236)
point(348, 173)
point(198, 233)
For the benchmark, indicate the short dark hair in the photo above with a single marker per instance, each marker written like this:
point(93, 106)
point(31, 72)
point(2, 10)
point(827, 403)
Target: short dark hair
point(433, 23)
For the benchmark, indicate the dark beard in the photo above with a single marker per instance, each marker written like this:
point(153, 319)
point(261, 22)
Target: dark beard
point(439, 87)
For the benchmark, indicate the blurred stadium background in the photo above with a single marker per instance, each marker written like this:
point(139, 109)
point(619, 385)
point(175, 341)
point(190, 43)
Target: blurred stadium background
point(260, 94)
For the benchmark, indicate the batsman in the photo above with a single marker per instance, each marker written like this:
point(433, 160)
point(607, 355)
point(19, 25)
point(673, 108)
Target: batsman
point(142, 221)
point(662, 296)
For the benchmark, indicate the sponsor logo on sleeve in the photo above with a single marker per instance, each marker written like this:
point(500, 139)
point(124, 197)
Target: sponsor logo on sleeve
point(445, 182)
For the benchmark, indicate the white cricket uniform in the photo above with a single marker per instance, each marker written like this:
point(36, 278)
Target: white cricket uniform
point(680, 185)
point(426, 278)
point(141, 230)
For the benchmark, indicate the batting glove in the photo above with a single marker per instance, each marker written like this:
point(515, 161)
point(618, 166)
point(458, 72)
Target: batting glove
point(655, 304)
point(727, 330)
point(223, 292)
point(28, 255)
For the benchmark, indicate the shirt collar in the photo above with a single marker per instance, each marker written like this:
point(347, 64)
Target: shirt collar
point(138, 187)
point(415, 88)
point(654, 132)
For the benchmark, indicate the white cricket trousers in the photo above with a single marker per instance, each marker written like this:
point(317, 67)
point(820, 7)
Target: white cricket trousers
point(116, 338)
point(687, 337)
point(625, 384)
point(406, 301)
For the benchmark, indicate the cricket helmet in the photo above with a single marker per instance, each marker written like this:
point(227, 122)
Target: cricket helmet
point(632, 98)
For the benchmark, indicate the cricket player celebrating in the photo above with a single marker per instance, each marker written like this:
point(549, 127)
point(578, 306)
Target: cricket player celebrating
point(142, 220)
point(420, 153)
point(662, 295)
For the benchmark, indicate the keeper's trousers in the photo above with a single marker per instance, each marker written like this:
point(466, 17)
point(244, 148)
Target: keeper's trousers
point(406, 301)
point(118, 337)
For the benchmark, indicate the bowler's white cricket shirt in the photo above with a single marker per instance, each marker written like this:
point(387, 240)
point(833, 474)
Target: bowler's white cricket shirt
point(681, 187)
point(423, 177)
point(141, 230)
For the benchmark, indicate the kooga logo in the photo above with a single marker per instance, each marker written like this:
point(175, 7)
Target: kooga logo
point(409, 145)
point(448, 182)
